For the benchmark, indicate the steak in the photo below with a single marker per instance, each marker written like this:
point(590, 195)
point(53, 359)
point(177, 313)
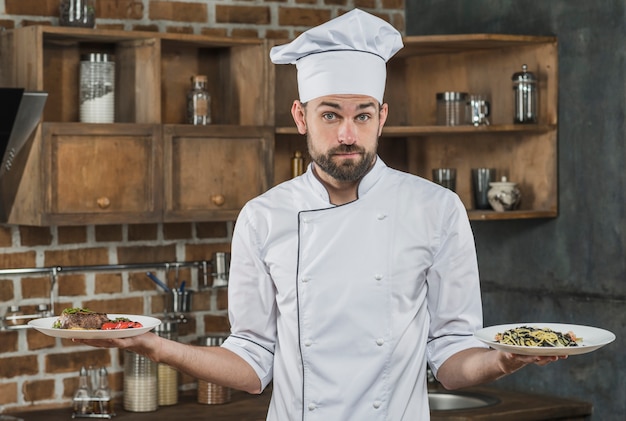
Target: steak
point(82, 320)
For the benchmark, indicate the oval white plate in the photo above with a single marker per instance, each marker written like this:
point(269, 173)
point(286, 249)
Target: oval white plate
point(592, 339)
point(44, 325)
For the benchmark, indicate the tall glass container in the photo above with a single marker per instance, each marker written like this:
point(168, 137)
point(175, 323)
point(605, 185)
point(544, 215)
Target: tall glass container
point(525, 87)
point(80, 13)
point(140, 383)
point(198, 102)
point(97, 88)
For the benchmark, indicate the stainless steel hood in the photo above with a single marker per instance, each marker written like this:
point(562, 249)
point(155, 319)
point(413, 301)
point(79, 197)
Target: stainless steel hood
point(20, 112)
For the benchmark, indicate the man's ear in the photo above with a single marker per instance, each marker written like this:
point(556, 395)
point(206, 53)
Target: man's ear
point(297, 112)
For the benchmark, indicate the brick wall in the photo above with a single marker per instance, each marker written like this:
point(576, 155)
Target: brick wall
point(37, 371)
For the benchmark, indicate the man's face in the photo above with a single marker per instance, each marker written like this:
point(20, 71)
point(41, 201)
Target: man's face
point(342, 134)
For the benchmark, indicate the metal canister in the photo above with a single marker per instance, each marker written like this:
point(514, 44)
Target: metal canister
point(210, 393)
point(525, 87)
point(452, 108)
point(167, 376)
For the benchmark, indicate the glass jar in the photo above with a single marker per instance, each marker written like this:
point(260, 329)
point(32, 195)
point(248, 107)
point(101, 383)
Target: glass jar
point(167, 376)
point(525, 87)
point(97, 88)
point(198, 102)
point(79, 13)
point(452, 108)
point(140, 383)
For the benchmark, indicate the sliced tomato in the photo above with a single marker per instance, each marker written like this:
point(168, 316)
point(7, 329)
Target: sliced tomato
point(120, 325)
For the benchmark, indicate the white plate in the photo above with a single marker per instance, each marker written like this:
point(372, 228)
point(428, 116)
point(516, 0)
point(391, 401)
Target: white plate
point(44, 325)
point(592, 339)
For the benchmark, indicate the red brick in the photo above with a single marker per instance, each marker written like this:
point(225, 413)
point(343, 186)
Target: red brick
point(256, 15)
point(28, 22)
point(72, 361)
point(7, 24)
point(72, 285)
point(109, 233)
point(37, 340)
point(279, 34)
point(139, 281)
point(8, 393)
point(178, 11)
point(6, 235)
point(109, 283)
point(222, 298)
point(365, 4)
point(290, 16)
point(32, 7)
point(35, 287)
point(35, 236)
point(393, 4)
point(244, 33)
point(18, 366)
point(201, 300)
point(199, 252)
point(216, 323)
point(146, 254)
point(211, 230)
point(120, 9)
point(38, 390)
point(142, 232)
point(123, 305)
point(6, 290)
point(179, 29)
point(176, 231)
point(26, 259)
point(79, 257)
point(8, 341)
point(72, 235)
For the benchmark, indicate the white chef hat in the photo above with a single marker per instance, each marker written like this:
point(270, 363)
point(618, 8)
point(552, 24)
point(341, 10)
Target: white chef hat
point(346, 55)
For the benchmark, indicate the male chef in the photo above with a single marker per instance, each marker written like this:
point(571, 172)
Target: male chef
point(347, 280)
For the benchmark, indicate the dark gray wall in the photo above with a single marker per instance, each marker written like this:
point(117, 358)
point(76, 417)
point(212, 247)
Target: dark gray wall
point(573, 268)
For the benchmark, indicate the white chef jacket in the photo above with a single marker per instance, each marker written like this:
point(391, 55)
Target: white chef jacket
point(341, 306)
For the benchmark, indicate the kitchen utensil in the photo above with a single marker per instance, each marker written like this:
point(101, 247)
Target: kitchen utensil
point(481, 177)
point(504, 195)
point(479, 109)
point(451, 108)
point(525, 87)
point(445, 177)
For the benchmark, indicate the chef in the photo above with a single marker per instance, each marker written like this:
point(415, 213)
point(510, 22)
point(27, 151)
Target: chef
point(346, 281)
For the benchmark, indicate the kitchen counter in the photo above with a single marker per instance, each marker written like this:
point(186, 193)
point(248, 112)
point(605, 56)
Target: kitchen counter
point(513, 406)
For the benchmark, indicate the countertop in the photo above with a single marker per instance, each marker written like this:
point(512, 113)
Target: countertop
point(513, 406)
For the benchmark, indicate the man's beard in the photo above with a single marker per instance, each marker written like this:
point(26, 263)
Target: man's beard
point(348, 169)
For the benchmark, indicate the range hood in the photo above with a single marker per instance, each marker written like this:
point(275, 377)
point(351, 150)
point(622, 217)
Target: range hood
point(20, 112)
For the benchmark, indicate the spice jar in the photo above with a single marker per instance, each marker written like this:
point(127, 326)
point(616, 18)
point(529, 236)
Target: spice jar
point(167, 376)
point(97, 88)
point(210, 393)
point(80, 13)
point(140, 383)
point(452, 108)
point(198, 102)
point(525, 87)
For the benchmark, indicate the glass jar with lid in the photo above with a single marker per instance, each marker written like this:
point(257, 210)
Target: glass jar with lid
point(198, 102)
point(78, 13)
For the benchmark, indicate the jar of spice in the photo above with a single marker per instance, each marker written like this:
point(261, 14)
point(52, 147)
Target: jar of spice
point(198, 102)
point(79, 13)
point(97, 88)
point(140, 383)
point(210, 393)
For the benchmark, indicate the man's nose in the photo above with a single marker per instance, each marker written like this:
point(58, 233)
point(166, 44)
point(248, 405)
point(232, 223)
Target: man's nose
point(347, 133)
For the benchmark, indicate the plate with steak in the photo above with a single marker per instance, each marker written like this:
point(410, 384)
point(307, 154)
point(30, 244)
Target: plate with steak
point(86, 324)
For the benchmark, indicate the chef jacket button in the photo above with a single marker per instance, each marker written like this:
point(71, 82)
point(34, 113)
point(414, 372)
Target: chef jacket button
point(378, 277)
point(308, 342)
point(312, 406)
point(377, 404)
point(380, 341)
point(305, 279)
point(381, 216)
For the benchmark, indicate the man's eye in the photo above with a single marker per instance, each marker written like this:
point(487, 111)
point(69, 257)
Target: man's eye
point(328, 116)
point(363, 117)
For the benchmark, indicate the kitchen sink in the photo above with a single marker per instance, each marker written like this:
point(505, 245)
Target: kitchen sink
point(450, 401)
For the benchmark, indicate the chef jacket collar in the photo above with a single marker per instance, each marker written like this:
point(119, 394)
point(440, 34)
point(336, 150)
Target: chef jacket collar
point(367, 182)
